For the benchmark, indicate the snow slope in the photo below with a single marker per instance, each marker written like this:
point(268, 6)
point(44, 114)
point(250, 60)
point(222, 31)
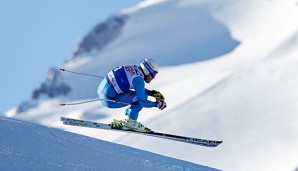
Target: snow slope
point(27, 146)
point(229, 72)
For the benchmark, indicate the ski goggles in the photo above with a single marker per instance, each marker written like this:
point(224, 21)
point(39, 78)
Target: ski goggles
point(154, 74)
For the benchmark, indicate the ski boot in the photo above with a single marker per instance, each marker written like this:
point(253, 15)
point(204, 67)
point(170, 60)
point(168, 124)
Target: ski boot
point(116, 124)
point(130, 124)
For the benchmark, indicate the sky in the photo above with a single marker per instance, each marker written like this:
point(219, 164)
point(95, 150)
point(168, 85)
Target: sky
point(37, 35)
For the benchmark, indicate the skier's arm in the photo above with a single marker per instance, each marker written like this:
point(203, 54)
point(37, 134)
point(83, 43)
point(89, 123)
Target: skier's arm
point(148, 92)
point(139, 86)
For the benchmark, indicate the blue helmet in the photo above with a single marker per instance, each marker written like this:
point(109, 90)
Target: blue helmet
point(149, 66)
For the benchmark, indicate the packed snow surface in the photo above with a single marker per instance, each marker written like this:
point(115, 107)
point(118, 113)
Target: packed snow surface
point(27, 146)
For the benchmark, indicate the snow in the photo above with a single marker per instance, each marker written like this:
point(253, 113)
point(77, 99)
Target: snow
point(27, 146)
point(228, 72)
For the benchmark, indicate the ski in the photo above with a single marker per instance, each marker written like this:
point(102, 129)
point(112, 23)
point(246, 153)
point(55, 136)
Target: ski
point(191, 140)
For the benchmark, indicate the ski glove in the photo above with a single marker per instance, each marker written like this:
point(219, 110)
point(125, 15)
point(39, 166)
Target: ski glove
point(161, 104)
point(157, 95)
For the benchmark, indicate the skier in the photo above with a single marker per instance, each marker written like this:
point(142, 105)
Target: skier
point(124, 86)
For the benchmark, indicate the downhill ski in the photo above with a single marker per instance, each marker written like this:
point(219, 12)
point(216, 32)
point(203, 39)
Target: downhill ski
point(191, 140)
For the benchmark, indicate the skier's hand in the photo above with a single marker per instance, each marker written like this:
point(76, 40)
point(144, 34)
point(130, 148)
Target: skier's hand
point(157, 95)
point(161, 104)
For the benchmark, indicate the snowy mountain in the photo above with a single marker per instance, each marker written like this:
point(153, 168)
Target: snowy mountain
point(27, 146)
point(228, 72)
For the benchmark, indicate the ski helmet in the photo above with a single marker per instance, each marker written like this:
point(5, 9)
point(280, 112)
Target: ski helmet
point(149, 66)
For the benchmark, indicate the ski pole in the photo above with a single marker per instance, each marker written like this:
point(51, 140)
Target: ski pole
point(79, 73)
point(88, 101)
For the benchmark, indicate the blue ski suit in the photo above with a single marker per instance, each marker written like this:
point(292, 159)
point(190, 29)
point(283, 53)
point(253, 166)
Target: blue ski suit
point(125, 84)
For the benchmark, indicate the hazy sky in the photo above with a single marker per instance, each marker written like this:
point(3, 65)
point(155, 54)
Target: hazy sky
point(37, 35)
